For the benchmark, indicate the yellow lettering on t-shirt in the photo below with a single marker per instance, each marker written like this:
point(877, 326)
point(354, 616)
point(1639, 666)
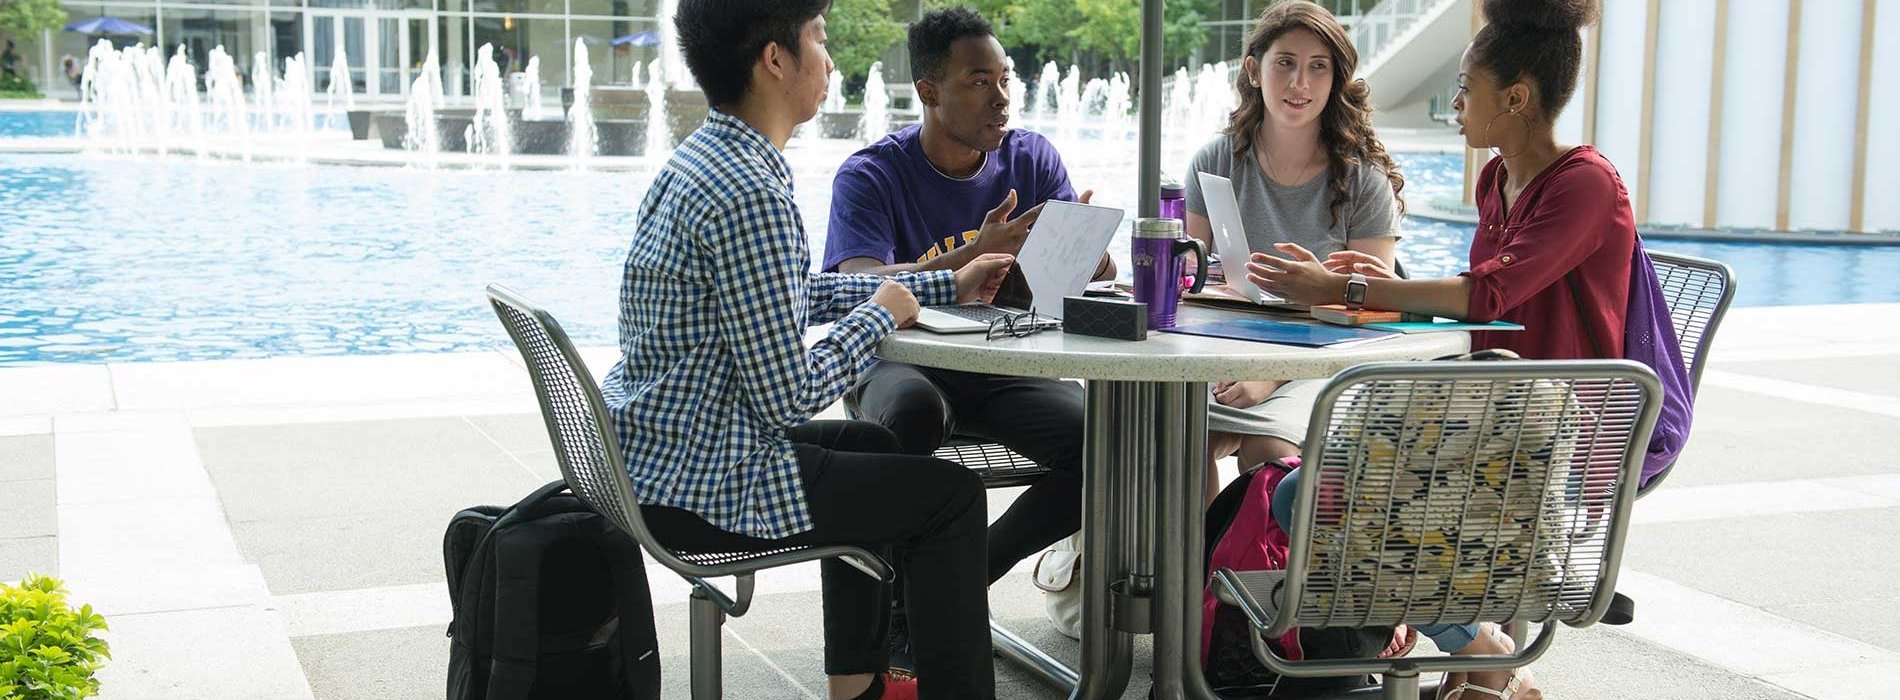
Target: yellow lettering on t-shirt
point(948, 244)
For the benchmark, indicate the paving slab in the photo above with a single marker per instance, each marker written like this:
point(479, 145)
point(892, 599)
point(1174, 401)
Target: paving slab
point(395, 664)
point(1876, 375)
point(1742, 436)
point(13, 426)
point(345, 552)
point(26, 457)
point(30, 509)
point(23, 555)
point(323, 470)
point(107, 540)
point(515, 433)
point(317, 381)
point(48, 389)
point(238, 653)
point(1871, 619)
point(1776, 560)
point(1600, 663)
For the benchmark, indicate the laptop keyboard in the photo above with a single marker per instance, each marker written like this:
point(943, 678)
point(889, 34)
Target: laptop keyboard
point(980, 314)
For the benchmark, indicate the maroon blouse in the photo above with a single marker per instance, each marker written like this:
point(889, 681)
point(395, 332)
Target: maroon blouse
point(1573, 221)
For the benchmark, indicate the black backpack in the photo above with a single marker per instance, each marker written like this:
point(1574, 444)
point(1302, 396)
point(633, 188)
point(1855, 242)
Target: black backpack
point(1231, 668)
point(551, 601)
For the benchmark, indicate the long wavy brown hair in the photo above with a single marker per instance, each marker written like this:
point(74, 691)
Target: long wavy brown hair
point(1345, 125)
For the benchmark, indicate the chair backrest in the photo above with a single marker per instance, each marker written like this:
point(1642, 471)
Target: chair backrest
point(576, 417)
point(1699, 291)
point(1459, 492)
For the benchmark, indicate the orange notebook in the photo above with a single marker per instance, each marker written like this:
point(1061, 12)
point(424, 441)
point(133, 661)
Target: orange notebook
point(1340, 315)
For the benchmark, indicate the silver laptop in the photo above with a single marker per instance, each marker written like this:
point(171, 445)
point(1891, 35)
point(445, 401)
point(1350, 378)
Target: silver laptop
point(1056, 261)
point(1230, 237)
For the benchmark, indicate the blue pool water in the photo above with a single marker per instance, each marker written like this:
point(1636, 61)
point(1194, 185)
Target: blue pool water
point(136, 259)
point(37, 124)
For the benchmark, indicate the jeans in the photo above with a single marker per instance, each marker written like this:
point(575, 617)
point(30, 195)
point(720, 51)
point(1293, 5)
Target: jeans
point(1040, 419)
point(930, 512)
point(1448, 638)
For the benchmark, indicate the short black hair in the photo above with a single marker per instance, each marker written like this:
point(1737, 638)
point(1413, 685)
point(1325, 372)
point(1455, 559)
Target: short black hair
point(1536, 40)
point(721, 38)
point(931, 37)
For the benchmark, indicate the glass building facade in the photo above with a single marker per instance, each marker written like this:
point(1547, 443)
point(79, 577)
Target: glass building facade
point(385, 43)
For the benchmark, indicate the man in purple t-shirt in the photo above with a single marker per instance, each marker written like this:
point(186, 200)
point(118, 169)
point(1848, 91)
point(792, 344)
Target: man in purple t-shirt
point(933, 197)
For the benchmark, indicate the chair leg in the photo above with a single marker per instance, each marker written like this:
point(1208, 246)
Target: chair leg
point(706, 621)
point(1400, 684)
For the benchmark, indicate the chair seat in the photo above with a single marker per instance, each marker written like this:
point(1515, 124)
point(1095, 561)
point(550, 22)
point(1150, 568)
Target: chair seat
point(998, 466)
point(719, 558)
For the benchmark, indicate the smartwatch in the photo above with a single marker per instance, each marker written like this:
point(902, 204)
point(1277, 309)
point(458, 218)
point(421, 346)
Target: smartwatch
point(1356, 291)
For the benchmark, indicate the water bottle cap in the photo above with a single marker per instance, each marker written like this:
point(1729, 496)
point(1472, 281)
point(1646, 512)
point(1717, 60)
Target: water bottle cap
point(1171, 188)
point(1158, 228)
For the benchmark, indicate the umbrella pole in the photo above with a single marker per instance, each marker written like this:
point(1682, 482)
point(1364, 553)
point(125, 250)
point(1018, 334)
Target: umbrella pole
point(1149, 195)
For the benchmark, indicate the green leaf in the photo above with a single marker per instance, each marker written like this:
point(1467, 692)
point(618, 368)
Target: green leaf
point(47, 649)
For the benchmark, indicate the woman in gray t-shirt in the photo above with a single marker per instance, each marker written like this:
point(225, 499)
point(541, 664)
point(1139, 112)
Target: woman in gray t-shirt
point(1307, 170)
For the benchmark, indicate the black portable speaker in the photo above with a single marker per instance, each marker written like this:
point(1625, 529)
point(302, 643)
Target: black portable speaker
point(1106, 318)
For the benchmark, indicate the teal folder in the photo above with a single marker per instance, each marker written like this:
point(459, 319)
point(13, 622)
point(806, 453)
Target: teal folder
point(1441, 326)
point(1309, 335)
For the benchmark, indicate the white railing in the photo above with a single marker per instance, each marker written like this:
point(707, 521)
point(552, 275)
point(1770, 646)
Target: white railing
point(1378, 29)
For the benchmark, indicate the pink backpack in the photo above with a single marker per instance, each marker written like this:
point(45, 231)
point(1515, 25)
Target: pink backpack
point(1243, 536)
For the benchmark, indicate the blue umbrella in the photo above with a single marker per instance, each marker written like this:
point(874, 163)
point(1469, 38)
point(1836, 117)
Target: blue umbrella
point(108, 25)
point(646, 38)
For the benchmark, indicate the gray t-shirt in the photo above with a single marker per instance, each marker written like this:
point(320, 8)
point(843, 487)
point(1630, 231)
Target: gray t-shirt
point(1274, 213)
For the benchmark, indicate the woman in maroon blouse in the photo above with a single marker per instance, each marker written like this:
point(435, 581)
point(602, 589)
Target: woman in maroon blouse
point(1552, 252)
point(1555, 229)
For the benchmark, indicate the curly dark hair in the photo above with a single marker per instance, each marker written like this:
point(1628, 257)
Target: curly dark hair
point(722, 38)
point(931, 37)
point(1345, 125)
point(1535, 40)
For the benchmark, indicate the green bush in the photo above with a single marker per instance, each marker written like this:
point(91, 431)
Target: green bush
point(47, 650)
point(13, 86)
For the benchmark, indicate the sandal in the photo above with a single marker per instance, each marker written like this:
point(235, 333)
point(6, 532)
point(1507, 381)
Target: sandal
point(1520, 678)
point(1521, 686)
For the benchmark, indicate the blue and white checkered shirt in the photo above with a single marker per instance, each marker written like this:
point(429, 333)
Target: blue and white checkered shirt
point(713, 310)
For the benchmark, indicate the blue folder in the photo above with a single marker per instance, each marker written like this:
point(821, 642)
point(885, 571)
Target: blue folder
point(1441, 326)
point(1308, 335)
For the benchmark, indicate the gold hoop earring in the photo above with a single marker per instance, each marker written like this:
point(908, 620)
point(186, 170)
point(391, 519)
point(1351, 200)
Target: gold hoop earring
point(1495, 150)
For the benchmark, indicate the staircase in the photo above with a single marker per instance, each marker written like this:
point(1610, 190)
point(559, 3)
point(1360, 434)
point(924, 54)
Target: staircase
point(1409, 49)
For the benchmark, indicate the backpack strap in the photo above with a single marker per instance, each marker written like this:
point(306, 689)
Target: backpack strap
point(1576, 295)
point(516, 641)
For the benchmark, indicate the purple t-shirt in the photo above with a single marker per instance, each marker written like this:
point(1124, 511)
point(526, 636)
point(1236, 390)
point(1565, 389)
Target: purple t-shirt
point(889, 203)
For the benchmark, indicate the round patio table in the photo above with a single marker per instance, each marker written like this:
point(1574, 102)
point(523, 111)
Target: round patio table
point(1145, 443)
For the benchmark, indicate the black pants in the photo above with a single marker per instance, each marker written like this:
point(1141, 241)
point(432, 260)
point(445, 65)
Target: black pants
point(928, 511)
point(1041, 419)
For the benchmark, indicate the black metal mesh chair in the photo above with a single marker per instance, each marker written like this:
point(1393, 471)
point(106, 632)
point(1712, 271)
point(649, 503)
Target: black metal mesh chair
point(596, 472)
point(1443, 492)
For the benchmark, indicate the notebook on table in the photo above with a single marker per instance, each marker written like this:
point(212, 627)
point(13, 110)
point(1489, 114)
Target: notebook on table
point(1263, 330)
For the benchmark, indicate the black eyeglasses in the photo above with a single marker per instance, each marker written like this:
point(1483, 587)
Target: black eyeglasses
point(1021, 325)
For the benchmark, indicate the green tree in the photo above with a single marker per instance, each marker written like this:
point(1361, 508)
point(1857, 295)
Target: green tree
point(1099, 35)
point(24, 19)
point(27, 18)
point(861, 31)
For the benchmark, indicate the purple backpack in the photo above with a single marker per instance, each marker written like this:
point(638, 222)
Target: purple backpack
point(1649, 337)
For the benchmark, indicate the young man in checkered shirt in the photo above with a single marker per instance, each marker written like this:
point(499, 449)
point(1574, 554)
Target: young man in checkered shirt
point(712, 398)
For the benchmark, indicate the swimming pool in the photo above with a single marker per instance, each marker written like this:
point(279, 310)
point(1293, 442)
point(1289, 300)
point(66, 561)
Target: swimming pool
point(109, 259)
point(37, 124)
